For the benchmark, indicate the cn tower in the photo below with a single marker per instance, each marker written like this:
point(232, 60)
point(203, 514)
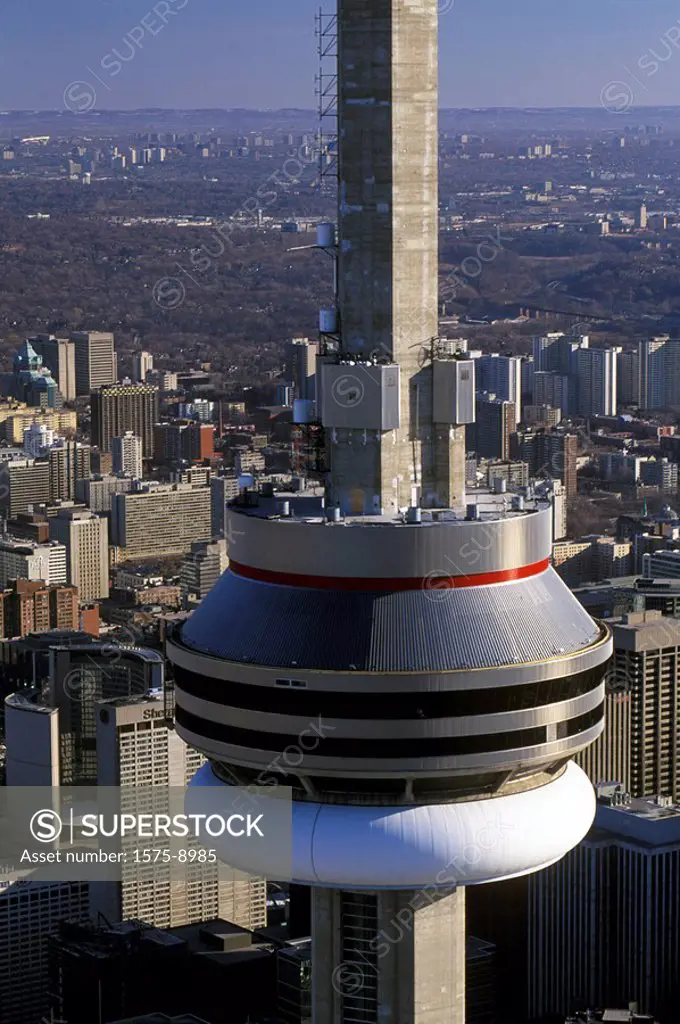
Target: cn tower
point(445, 673)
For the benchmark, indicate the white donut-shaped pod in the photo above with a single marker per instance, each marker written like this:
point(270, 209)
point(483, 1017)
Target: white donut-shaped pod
point(437, 845)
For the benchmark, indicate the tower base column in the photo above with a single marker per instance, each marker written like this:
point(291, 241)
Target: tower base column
point(388, 957)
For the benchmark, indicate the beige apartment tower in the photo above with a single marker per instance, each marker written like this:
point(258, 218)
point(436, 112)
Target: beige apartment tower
point(160, 520)
point(86, 539)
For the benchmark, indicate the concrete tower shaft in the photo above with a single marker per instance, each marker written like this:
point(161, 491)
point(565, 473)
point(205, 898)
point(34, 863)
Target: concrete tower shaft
point(388, 257)
point(389, 179)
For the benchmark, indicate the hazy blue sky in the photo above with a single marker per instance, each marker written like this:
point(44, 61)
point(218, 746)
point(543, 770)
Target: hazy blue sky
point(261, 53)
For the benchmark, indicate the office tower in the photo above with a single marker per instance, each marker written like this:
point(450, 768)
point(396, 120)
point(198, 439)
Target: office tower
point(596, 377)
point(183, 442)
point(604, 922)
point(160, 521)
point(97, 492)
point(501, 376)
point(95, 360)
point(85, 537)
point(300, 367)
point(25, 483)
point(552, 389)
point(137, 746)
point(641, 220)
point(69, 462)
point(202, 568)
point(51, 730)
point(32, 561)
point(367, 604)
point(37, 438)
point(628, 377)
point(646, 651)
point(127, 455)
point(34, 607)
point(142, 363)
point(122, 407)
point(29, 913)
point(495, 423)
point(32, 382)
point(223, 489)
point(550, 453)
point(59, 356)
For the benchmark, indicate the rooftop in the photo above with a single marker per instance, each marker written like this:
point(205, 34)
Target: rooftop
point(309, 507)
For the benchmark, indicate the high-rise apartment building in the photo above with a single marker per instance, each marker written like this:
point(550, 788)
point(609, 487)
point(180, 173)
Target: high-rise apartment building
point(23, 483)
point(628, 377)
point(550, 453)
point(97, 492)
point(301, 356)
point(495, 423)
point(95, 360)
point(162, 520)
point(127, 455)
point(552, 389)
point(202, 568)
point(59, 356)
point(37, 438)
point(555, 352)
point(32, 561)
point(604, 923)
point(164, 380)
point(85, 537)
point(34, 607)
point(501, 376)
point(142, 364)
point(58, 420)
point(596, 381)
point(646, 660)
point(183, 442)
point(137, 746)
point(652, 359)
point(69, 462)
point(222, 490)
point(122, 407)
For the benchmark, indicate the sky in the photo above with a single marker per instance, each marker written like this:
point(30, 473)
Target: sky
point(262, 53)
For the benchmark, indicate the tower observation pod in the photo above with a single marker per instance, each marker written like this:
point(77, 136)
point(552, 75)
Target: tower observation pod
point(413, 647)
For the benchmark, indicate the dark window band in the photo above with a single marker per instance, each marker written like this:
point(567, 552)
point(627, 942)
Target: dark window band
point(454, 746)
point(574, 726)
point(387, 706)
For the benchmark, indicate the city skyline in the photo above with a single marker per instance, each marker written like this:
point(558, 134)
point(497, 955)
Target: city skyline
point(177, 53)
